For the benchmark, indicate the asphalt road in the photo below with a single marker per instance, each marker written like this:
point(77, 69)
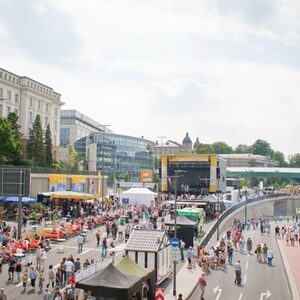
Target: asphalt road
point(14, 290)
point(259, 281)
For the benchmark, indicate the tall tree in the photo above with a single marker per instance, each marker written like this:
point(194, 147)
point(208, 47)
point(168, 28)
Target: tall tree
point(294, 160)
point(262, 147)
point(16, 131)
point(204, 149)
point(279, 157)
point(72, 158)
point(48, 146)
point(221, 148)
point(242, 149)
point(36, 147)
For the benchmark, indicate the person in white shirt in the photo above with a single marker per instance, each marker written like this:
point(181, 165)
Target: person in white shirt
point(69, 269)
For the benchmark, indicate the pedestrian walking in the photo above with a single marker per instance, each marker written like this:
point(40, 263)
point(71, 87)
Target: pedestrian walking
point(11, 269)
point(98, 235)
point(190, 257)
point(230, 254)
point(202, 285)
point(270, 256)
point(77, 265)
point(249, 245)
point(80, 241)
point(180, 297)
point(3, 296)
point(47, 294)
point(41, 281)
point(33, 275)
point(104, 247)
point(264, 252)
point(181, 247)
point(238, 272)
point(51, 277)
point(19, 270)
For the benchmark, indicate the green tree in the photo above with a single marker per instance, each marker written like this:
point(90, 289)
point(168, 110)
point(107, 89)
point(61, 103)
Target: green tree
point(112, 178)
point(294, 160)
point(261, 147)
point(72, 158)
point(10, 147)
point(36, 148)
point(16, 131)
point(48, 146)
point(221, 148)
point(242, 149)
point(204, 149)
point(279, 156)
point(126, 177)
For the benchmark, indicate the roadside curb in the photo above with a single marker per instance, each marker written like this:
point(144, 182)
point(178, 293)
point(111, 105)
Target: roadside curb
point(288, 273)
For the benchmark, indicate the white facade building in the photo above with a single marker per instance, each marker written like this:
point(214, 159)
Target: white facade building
point(29, 98)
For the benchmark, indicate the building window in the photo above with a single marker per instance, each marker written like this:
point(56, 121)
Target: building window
point(1, 93)
point(39, 104)
point(16, 111)
point(30, 117)
point(31, 101)
point(47, 107)
point(8, 110)
point(1, 110)
point(9, 95)
point(55, 112)
point(46, 121)
point(55, 125)
point(16, 98)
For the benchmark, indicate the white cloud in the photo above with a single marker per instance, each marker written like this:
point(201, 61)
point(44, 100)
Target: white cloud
point(222, 72)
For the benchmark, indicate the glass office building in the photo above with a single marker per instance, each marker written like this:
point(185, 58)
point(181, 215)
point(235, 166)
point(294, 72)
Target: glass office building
point(116, 153)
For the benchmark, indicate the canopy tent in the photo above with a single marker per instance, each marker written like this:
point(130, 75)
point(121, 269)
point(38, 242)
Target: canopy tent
point(15, 200)
point(182, 221)
point(110, 282)
point(141, 196)
point(68, 195)
point(128, 267)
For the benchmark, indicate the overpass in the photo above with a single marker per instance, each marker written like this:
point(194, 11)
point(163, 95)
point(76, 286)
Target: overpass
point(293, 173)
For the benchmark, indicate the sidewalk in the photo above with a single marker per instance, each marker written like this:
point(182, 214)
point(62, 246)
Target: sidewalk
point(186, 279)
point(291, 260)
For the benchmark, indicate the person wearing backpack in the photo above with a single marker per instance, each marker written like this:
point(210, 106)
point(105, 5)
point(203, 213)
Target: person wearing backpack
point(202, 285)
point(51, 276)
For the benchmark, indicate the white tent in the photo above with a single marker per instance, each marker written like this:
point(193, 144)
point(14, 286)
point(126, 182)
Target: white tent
point(142, 196)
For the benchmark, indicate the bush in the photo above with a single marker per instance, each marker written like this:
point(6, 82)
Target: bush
point(24, 162)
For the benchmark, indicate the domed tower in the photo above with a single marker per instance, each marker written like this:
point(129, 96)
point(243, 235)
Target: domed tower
point(187, 143)
point(196, 144)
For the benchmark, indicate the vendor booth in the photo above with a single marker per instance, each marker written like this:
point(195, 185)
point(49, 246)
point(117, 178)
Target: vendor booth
point(186, 229)
point(125, 280)
point(138, 196)
point(151, 249)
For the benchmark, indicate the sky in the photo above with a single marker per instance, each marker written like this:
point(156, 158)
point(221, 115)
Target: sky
point(222, 70)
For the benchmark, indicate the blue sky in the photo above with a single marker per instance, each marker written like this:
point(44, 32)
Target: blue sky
point(223, 70)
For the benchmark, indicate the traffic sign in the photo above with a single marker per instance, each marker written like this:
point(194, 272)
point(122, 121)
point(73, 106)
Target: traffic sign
point(174, 254)
point(174, 242)
point(159, 293)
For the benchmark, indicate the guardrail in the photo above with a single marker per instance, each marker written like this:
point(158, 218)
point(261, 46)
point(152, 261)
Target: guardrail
point(225, 214)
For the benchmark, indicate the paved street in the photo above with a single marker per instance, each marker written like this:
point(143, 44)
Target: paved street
point(260, 281)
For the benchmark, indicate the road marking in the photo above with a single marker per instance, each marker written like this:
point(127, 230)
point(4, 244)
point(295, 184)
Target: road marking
point(247, 265)
point(248, 255)
point(245, 279)
point(267, 294)
point(86, 251)
point(241, 296)
point(217, 290)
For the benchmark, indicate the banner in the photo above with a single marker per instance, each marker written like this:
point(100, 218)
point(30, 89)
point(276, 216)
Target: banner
point(78, 183)
point(57, 182)
point(164, 173)
point(146, 176)
point(213, 174)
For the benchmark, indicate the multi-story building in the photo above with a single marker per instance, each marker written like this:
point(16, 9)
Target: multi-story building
point(249, 160)
point(109, 152)
point(75, 125)
point(29, 98)
point(167, 148)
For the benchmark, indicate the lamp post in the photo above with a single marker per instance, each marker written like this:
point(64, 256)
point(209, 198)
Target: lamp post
point(102, 168)
point(218, 203)
point(246, 198)
point(175, 224)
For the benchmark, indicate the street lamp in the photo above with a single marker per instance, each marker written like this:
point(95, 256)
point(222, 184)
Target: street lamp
point(218, 208)
point(175, 224)
point(102, 168)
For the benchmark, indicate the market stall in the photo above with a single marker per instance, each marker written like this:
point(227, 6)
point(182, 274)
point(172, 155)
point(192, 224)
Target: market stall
point(138, 196)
